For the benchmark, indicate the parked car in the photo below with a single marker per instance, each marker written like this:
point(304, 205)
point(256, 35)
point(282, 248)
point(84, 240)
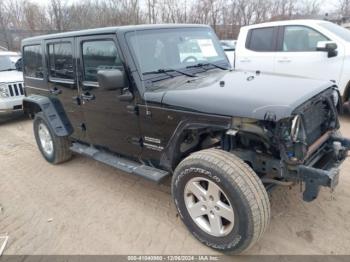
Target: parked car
point(229, 47)
point(11, 83)
point(308, 48)
point(127, 97)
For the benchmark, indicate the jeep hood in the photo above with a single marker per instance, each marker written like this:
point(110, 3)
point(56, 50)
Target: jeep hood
point(11, 76)
point(234, 93)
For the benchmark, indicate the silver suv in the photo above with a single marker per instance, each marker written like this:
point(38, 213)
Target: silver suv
point(11, 83)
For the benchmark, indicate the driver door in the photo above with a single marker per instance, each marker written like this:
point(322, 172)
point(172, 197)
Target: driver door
point(108, 123)
point(298, 55)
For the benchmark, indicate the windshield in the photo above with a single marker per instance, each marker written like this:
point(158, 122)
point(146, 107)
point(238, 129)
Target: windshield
point(338, 30)
point(8, 62)
point(175, 49)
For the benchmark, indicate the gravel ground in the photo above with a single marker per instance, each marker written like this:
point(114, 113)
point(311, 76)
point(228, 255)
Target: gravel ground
point(84, 207)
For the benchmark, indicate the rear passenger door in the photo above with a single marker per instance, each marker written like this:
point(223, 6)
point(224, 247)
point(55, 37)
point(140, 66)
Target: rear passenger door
point(258, 51)
point(62, 81)
point(110, 123)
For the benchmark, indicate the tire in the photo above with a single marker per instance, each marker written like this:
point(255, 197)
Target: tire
point(60, 151)
point(346, 101)
point(241, 189)
point(346, 109)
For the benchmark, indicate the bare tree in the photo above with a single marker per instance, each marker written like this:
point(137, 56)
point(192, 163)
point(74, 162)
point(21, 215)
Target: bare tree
point(344, 7)
point(22, 18)
point(5, 40)
point(152, 11)
point(34, 17)
point(58, 11)
point(173, 11)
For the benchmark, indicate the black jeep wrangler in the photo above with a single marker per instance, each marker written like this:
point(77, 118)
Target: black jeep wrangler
point(159, 101)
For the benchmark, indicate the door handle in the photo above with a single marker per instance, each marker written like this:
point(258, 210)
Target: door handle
point(55, 91)
point(245, 60)
point(76, 100)
point(284, 60)
point(87, 97)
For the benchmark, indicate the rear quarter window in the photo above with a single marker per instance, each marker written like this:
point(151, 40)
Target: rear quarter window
point(32, 61)
point(261, 39)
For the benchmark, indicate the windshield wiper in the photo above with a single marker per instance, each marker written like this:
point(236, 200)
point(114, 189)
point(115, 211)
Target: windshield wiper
point(207, 64)
point(167, 71)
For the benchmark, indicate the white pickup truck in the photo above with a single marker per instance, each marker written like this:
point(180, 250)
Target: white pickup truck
point(307, 48)
point(11, 83)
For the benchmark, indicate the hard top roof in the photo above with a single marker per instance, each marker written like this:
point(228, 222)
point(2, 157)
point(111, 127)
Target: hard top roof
point(108, 30)
point(287, 22)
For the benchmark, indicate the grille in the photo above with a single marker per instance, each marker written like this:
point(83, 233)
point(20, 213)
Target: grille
point(316, 120)
point(16, 89)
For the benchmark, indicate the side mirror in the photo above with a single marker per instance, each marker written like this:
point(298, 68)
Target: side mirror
point(111, 79)
point(329, 47)
point(19, 65)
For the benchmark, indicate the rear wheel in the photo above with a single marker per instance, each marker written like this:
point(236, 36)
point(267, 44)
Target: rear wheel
point(55, 149)
point(221, 200)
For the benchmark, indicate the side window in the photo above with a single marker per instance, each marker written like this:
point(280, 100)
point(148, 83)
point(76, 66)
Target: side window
point(32, 59)
point(301, 39)
point(99, 55)
point(261, 39)
point(61, 60)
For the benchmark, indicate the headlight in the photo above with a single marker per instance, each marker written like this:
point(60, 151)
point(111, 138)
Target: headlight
point(4, 91)
point(335, 97)
point(295, 128)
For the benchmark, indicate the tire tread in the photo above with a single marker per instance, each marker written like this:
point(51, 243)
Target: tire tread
point(61, 143)
point(249, 183)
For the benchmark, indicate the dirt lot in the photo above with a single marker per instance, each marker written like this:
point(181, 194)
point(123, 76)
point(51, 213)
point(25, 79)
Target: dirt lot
point(83, 207)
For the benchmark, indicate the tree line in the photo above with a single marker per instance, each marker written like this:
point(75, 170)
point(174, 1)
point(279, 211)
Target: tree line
point(23, 18)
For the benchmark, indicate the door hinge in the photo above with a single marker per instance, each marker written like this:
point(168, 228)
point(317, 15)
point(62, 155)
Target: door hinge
point(133, 109)
point(82, 127)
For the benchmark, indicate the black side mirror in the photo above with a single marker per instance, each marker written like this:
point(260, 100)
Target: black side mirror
point(19, 65)
point(329, 47)
point(111, 79)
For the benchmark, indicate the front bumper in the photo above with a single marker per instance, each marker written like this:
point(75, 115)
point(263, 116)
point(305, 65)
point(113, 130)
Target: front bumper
point(11, 104)
point(322, 169)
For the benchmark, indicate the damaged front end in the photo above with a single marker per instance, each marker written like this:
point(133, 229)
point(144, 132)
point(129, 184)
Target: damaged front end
point(311, 146)
point(306, 147)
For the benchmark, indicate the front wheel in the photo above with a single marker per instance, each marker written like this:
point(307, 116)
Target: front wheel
point(221, 200)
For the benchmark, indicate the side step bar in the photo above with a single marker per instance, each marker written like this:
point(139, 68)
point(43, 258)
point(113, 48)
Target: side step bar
point(128, 166)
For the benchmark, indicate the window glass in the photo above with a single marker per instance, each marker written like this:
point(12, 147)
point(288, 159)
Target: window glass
point(99, 55)
point(61, 60)
point(342, 32)
point(162, 49)
point(262, 39)
point(33, 66)
point(8, 62)
point(301, 39)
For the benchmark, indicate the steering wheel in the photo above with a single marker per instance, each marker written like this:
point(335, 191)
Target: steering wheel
point(189, 58)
